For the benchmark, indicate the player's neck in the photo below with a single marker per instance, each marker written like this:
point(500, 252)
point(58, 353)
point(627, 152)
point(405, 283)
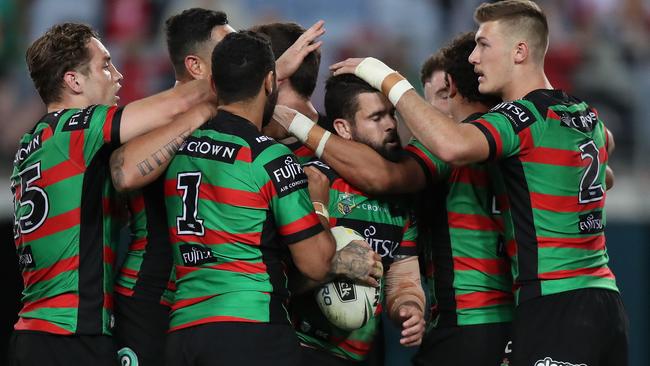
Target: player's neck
point(464, 109)
point(252, 110)
point(68, 102)
point(296, 101)
point(525, 83)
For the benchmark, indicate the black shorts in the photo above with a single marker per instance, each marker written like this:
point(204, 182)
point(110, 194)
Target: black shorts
point(587, 326)
point(469, 345)
point(29, 348)
point(140, 330)
point(318, 357)
point(232, 343)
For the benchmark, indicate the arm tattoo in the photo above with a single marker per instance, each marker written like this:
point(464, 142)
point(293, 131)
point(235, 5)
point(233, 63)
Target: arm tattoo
point(116, 163)
point(352, 262)
point(162, 155)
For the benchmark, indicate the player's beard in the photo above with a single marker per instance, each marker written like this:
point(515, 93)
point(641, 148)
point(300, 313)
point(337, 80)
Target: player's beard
point(392, 153)
point(269, 106)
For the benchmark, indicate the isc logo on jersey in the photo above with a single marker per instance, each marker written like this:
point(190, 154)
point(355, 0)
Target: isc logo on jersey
point(550, 362)
point(346, 305)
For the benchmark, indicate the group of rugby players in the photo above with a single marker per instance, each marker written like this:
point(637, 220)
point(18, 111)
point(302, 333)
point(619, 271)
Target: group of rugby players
point(231, 180)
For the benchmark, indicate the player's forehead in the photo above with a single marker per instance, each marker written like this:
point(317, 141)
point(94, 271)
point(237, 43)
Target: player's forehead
point(372, 103)
point(98, 51)
point(489, 30)
point(220, 31)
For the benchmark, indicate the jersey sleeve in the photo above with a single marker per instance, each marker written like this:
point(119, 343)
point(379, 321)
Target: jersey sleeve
point(502, 127)
point(95, 127)
point(408, 245)
point(433, 168)
point(283, 184)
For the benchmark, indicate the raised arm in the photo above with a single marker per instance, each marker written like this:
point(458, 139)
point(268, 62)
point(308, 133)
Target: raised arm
point(357, 163)
point(147, 114)
point(292, 58)
point(456, 144)
point(141, 160)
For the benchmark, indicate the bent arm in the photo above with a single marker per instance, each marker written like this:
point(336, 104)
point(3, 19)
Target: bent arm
point(147, 114)
point(142, 160)
point(313, 256)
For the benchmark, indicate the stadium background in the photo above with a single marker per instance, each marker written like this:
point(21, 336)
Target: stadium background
point(600, 51)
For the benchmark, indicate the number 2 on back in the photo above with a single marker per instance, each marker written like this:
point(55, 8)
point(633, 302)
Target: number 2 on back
point(590, 189)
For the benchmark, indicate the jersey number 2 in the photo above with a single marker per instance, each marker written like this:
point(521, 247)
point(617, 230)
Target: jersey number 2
point(590, 191)
point(189, 223)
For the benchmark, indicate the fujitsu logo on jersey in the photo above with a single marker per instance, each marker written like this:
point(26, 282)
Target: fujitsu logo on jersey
point(27, 148)
point(550, 362)
point(520, 117)
point(383, 247)
point(290, 170)
point(286, 174)
point(79, 120)
point(591, 223)
point(25, 258)
point(194, 255)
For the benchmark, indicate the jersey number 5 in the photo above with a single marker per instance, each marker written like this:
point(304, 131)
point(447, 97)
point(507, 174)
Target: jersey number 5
point(189, 223)
point(32, 196)
point(590, 189)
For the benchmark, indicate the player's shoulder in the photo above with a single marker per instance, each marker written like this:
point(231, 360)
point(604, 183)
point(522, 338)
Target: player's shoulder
point(82, 118)
point(518, 113)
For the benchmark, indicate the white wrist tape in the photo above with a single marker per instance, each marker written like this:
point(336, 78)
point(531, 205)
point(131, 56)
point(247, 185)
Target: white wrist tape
point(398, 90)
point(373, 71)
point(321, 210)
point(321, 144)
point(300, 127)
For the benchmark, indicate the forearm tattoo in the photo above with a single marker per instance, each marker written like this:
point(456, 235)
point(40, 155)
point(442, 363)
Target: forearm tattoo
point(116, 163)
point(162, 155)
point(352, 262)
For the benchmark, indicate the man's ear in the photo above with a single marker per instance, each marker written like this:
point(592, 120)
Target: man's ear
point(343, 128)
point(268, 82)
point(195, 66)
point(74, 81)
point(521, 52)
point(451, 85)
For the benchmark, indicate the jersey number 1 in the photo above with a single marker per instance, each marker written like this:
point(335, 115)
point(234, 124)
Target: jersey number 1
point(189, 223)
point(590, 191)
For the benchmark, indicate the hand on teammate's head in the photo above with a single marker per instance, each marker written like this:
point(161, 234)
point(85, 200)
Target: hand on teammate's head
point(292, 58)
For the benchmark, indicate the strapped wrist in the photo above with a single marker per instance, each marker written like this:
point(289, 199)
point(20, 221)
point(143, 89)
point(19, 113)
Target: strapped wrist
point(300, 127)
point(321, 209)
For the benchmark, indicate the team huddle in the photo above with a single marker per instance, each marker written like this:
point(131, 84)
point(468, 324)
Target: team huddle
point(264, 232)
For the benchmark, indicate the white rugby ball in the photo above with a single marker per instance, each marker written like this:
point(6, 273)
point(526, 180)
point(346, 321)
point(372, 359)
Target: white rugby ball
point(347, 305)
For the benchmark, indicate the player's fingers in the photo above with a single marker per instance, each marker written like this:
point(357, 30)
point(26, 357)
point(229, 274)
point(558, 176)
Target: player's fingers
point(311, 47)
point(411, 341)
point(313, 32)
point(369, 281)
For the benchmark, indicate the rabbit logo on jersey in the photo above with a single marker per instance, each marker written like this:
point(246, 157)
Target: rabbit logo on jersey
point(551, 362)
point(286, 174)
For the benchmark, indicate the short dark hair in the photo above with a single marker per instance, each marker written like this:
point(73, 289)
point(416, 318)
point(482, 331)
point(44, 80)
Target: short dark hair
point(432, 64)
point(282, 36)
point(187, 31)
point(341, 97)
point(63, 48)
point(456, 64)
point(240, 62)
point(520, 16)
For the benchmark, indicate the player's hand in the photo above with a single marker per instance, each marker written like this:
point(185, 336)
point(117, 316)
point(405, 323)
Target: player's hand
point(292, 58)
point(283, 115)
point(413, 325)
point(346, 67)
point(319, 185)
point(359, 263)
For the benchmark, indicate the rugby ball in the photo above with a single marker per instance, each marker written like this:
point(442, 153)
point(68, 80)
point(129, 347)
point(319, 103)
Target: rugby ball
point(346, 305)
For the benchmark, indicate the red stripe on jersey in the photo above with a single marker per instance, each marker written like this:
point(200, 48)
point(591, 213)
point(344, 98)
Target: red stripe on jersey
point(212, 237)
point(550, 114)
point(138, 244)
point(77, 147)
point(490, 266)
point(136, 203)
point(424, 157)
point(342, 186)
point(40, 325)
point(470, 175)
point(472, 222)
point(602, 272)
point(179, 304)
point(268, 191)
point(495, 135)
point(44, 274)
point(526, 142)
point(109, 255)
point(588, 243)
point(244, 155)
point(46, 134)
point(350, 345)
point(59, 172)
point(108, 124)
point(303, 152)
point(475, 300)
point(234, 266)
point(301, 224)
point(123, 290)
point(511, 248)
point(54, 224)
point(554, 203)
point(108, 301)
point(503, 203)
point(128, 272)
point(171, 286)
point(60, 301)
point(408, 244)
point(213, 319)
point(233, 197)
point(561, 157)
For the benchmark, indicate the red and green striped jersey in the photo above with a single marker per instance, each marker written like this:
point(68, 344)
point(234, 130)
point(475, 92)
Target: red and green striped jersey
point(235, 200)
point(64, 226)
point(390, 231)
point(471, 277)
point(145, 273)
point(552, 155)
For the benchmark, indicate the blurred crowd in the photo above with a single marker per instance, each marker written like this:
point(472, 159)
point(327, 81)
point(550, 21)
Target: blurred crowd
point(599, 50)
